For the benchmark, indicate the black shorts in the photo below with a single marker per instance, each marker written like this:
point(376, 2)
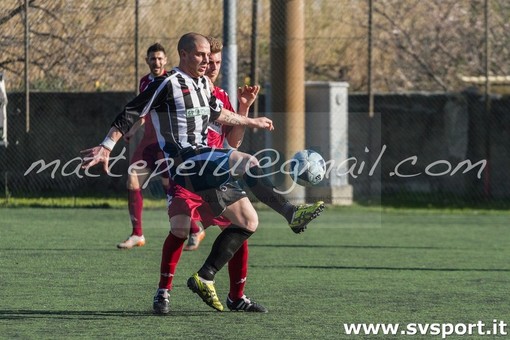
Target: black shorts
point(202, 169)
point(219, 199)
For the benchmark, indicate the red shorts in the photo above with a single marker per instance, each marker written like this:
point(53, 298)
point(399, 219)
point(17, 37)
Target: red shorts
point(185, 202)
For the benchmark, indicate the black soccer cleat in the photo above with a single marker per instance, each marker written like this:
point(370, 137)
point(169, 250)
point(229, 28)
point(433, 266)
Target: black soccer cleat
point(244, 304)
point(161, 304)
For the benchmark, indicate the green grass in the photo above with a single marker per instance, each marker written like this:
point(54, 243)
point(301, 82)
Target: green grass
point(62, 277)
point(75, 202)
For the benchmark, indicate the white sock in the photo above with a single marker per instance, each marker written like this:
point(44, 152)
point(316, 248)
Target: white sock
point(205, 281)
point(163, 291)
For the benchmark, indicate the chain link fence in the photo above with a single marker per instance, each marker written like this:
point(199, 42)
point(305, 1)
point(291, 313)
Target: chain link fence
point(69, 66)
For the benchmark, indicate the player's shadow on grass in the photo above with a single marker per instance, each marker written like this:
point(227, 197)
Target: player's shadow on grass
point(17, 314)
point(387, 268)
point(346, 246)
point(87, 250)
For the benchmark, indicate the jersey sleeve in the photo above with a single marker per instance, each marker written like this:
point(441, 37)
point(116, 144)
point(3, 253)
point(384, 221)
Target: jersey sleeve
point(215, 105)
point(227, 105)
point(141, 104)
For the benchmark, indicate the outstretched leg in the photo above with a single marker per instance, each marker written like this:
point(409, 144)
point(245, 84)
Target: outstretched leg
point(261, 186)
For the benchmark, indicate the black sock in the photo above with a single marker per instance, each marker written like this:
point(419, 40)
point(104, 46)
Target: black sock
point(263, 189)
point(224, 247)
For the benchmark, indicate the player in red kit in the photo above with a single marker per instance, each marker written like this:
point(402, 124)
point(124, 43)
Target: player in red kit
point(147, 153)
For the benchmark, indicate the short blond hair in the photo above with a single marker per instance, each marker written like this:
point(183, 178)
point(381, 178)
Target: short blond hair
point(216, 44)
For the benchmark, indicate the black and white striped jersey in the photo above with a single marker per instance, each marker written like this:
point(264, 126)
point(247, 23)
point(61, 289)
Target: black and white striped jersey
point(181, 108)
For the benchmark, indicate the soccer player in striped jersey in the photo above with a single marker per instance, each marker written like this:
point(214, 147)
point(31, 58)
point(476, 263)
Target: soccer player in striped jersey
point(217, 132)
point(147, 151)
point(181, 107)
point(191, 204)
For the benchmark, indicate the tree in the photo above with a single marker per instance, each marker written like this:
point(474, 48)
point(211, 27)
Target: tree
point(428, 44)
point(88, 45)
point(68, 47)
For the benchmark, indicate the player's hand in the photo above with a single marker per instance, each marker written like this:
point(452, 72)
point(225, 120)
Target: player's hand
point(247, 94)
point(95, 155)
point(261, 123)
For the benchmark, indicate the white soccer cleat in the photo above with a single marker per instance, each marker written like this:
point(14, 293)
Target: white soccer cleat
point(131, 242)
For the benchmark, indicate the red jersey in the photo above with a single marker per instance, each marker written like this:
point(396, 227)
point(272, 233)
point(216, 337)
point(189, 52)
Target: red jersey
point(217, 132)
point(146, 80)
point(149, 135)
point(148, 149)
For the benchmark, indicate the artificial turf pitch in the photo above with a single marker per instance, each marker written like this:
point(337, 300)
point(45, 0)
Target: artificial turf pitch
point(63, 277)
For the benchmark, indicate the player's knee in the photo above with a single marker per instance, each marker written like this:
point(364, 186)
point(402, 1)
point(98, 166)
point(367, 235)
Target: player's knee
point(165, 183)
point(179, 230)
point(180, 226)
point(130, 186)
point(252, 227)
point(180, 233)
point(251, 224)
point(132, 183)
point(241, 162)
point(252, 162)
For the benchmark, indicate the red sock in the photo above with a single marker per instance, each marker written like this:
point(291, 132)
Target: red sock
point(172, 250)
point(194, 228)
point(135, 206)
point(238, 270)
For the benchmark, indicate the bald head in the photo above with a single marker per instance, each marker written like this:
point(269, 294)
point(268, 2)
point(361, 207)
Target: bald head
point(189, 40)
point(194, 50)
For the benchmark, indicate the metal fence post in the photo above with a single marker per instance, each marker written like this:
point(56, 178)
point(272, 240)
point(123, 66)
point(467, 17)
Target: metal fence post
point(137, 23)
point(229, 70)
point(27, 60)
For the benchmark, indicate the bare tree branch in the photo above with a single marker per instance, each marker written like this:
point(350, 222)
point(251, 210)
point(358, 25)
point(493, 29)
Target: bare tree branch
point(14, 12)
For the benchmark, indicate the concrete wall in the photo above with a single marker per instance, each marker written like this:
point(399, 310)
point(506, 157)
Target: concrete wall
point(61, 124)
point(441, 131)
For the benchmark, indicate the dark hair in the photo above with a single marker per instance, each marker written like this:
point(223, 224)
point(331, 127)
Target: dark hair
point(188, 40)
point(216, 44)
point(157, 47)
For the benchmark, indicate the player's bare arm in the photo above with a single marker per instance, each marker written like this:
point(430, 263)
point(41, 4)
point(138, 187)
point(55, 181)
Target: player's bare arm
point(122, 124)
point(101, 153)
point(233, 119)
